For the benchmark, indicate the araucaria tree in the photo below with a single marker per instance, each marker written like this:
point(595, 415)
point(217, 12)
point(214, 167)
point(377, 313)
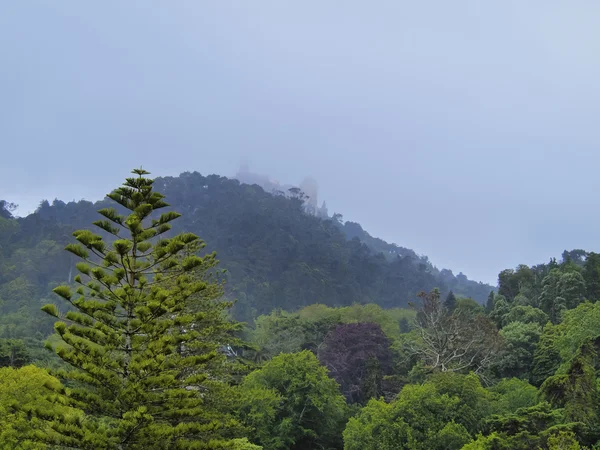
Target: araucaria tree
point(142, 335)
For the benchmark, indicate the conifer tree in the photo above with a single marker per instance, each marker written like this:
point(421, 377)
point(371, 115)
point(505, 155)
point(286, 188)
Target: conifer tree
point(576, 390)
point(489, 306)
point(450, 302)
point(142, 334)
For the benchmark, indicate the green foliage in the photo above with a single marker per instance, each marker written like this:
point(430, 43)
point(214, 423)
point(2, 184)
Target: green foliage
point(450, 302)
point(142, 335)
point(546, 358)
point(500, 311)
point(576, 390)
point(475, 401)
point(489, 305)
point(277, 255)
point(523, 429)
point(21, 390)
point(468, 306)
point(284, 332)
point(561, 291)
point(291, 403)
point(591, 276)
point(378, 426)
point(520, 340)
point(143, 342)
point(496, 441)
point(453, 435)
point(14, 353)
point(578, 326)
point(513, 394)
point(259, 408)
point(525, 314)
point(281, 333)
point(564, 440)
point(244, 444)
point(440, 414)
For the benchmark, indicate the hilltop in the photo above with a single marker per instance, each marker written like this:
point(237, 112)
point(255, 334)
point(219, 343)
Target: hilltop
point(277, 254)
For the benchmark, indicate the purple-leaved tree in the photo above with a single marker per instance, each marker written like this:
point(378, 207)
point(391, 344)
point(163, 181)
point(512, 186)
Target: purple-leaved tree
point(357, 355)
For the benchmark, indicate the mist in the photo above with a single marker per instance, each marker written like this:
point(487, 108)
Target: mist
point(465, 131)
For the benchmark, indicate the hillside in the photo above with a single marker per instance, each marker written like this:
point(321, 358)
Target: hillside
point(347, 357)
point(276, 255)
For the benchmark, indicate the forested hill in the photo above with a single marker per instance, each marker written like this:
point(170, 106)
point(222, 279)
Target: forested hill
point(277, 255)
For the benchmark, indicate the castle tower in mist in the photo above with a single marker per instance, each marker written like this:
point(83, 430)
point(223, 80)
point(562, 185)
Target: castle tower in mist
point(309, 187)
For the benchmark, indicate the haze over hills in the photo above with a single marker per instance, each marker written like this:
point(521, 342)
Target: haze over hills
point(310, 188)
point(279, 250)
point(347, 291)
point(398, 141)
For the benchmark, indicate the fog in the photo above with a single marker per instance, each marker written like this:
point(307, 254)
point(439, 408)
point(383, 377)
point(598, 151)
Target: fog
point(464, 130)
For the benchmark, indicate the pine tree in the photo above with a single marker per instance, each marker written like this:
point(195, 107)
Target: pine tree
point(576, 390)
point(450, 302)
point(142, 334)
point(489, 306)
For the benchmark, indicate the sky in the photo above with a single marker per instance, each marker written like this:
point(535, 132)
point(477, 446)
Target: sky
point(465, 130)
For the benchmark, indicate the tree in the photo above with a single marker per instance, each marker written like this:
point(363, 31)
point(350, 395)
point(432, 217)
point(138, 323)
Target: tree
point(450, 302)
point(564, 440)
point(546, 357)
point(440, 414)
point(577, 256)
point(13, 352)
point(501, 309)
point(142, 368)
point(513, 394)
point(521, 430)
point(578, 326)
point(572, 288)
point(244, 444)
point(453, 342)
point(468, 307)
point(561, 291)
point(291, 403)
point(279, 332)
point(277, 256)
point(6, 209)
point(357, 356)
point(508, 284)
point(591, 275)
point(576, 390)
point(489, 306)
point(378, 426)
point(23, 389)
point(525, 314)
point(520, 341)
point(475, 401)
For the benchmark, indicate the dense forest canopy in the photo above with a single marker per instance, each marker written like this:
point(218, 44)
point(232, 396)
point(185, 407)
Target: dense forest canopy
point(350, 342)
point(276, 255)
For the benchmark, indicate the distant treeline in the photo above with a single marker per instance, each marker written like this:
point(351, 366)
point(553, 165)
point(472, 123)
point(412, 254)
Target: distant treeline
point(276, 255)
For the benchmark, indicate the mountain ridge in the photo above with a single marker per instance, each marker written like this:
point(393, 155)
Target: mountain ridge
point(276, 254)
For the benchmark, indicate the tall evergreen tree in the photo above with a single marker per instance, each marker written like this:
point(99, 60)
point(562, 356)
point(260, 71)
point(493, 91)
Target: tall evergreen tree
point(489, 306)
point(576, 390)
point(591, 275)
point(450, 302)
point(142, 334)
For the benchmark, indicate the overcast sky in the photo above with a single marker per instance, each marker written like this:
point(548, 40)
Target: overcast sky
point(466, 130)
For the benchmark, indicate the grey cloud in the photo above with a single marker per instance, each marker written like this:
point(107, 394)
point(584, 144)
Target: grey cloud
point(465, 130)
